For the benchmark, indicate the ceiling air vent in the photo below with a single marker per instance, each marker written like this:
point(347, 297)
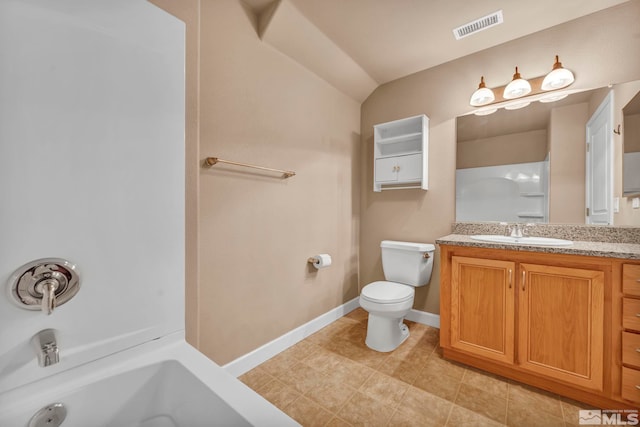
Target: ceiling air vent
point(478, 25)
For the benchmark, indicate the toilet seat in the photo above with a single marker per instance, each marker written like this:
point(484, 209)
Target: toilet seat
point(384, 292)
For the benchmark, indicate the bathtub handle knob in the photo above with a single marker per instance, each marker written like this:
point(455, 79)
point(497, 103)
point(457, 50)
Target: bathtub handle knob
point(44, 284)
point(49, 295)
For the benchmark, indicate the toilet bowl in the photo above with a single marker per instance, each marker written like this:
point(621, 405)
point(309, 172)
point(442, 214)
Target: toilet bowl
point(406, 265)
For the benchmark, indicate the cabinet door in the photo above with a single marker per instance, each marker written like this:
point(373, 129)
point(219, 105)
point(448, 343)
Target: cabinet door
point(410, 168)
point(561, 322)
point(482, 307)
point(386, 170)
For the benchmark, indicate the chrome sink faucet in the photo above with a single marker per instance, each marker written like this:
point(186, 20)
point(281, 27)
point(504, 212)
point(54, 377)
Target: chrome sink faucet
point(46, 346)
point(516, 230)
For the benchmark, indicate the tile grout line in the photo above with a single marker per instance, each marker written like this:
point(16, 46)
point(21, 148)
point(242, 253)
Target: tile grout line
point(506, 419)
point(455, 397)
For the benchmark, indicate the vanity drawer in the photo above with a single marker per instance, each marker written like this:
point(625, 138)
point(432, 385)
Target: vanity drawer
point(631, 384)
point(631, 349)
point(631, 314)
point(631, 279)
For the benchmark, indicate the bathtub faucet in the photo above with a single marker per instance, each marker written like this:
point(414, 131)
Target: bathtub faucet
point(46, 347)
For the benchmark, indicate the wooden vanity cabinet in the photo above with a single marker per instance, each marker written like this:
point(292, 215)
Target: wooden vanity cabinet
point(561, 323)
point(630, 388)
point(549, 320)
point(483, 307)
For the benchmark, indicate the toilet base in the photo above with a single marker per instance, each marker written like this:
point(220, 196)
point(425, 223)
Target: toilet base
point(385, 334)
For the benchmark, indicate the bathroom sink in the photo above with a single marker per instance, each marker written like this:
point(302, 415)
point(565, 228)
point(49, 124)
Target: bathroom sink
point(536, 241)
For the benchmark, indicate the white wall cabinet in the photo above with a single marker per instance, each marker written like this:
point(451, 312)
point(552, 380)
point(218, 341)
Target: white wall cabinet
point(401, 154)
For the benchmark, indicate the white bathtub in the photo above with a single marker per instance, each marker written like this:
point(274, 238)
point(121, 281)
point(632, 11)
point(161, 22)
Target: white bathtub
point(163, 383)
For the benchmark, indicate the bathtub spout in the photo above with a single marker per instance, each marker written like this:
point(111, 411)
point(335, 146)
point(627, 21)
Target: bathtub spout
point(46, 347)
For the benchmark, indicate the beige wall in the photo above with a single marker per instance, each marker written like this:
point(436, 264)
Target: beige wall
point(587, 46)
point(257, 230)
point(567, 136)
point(523, 147)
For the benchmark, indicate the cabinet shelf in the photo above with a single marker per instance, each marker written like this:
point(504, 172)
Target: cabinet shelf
point(530, 215)
point(399, 138)
point(406, 153)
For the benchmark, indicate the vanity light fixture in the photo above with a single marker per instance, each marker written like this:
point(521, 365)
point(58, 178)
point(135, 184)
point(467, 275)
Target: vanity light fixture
point(482, 96)
point(558, 78)
point(513, 95)
point(517, 88)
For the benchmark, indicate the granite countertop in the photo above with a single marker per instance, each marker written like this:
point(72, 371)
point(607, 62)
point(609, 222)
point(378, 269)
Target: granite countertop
point(585, 248)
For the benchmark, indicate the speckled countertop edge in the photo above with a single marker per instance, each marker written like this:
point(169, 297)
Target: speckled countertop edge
point(573, 232)
point(584, 248)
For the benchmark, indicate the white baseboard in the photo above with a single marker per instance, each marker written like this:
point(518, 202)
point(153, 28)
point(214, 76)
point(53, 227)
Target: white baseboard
point(250, 360)
point(424, 317)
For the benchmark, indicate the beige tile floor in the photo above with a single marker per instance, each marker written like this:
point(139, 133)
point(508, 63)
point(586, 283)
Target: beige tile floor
point(332, 379)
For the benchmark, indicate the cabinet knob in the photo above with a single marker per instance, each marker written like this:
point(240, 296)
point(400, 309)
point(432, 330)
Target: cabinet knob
point(637, 350)
point(638, 387)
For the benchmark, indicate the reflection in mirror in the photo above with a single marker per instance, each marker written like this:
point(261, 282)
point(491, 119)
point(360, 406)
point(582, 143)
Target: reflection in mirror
point(525, 165)
point(631, 159)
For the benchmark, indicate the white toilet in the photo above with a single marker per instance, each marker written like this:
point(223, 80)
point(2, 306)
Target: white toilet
point(406, 265)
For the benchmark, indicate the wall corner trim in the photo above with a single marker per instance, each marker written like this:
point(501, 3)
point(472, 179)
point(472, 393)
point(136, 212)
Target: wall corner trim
point(424, 317)
point(265, 352)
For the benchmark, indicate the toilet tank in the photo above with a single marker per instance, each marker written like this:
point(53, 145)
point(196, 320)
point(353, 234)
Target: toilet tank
point(405, 262)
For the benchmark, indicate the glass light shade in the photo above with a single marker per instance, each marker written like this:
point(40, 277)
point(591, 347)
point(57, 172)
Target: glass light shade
point(485, 112)
point(517, 87)
point(482, 96)
point(558, 78)
point(517, 105)
point(553, 97)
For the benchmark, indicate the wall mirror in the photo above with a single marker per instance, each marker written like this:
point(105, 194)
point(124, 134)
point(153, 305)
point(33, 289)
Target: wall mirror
point(527, 165)
point(631, 141)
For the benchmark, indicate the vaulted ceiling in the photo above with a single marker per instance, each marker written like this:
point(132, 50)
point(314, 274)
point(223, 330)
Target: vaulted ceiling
point(383, 40)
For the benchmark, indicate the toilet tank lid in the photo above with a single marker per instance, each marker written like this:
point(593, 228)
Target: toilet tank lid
point(408, 246)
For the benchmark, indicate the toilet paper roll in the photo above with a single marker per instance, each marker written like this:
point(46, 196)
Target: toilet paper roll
point(322, 261)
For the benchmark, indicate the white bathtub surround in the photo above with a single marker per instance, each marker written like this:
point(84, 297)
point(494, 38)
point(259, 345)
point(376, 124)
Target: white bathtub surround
point(630, 168)
point(512, 193)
